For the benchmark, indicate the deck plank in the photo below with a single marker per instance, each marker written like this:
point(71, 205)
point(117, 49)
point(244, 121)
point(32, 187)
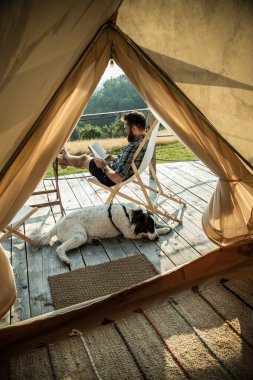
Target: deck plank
point(191, 230)
point(177, 242)
point(51, 263)
point(70, 203)
point(21, 308)
point(203, 177)
point(177, 185)
point(37, 291)
point(195, 188)
point(202, 167)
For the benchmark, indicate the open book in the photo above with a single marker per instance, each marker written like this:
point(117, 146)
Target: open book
point(98, 151)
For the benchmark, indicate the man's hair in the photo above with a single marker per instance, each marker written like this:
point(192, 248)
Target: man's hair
point(135, 118)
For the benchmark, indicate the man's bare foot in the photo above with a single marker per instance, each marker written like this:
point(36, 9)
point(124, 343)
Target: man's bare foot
point(80, 162)
point(65, 154)
point(63, 158)
point(62, 162)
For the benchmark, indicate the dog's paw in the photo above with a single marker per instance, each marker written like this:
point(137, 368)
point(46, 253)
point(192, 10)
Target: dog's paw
point(164, 230)
point(66, 261)
point(96, 241)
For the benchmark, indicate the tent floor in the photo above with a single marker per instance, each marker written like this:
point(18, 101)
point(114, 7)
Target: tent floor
point(191, 181)
point(207, 334)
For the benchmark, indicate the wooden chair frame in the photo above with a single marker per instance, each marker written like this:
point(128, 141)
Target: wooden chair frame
point(154, 208)
point(13, 229)
point(56, 190)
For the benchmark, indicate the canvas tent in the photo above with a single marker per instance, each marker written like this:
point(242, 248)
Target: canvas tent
point(191, 61)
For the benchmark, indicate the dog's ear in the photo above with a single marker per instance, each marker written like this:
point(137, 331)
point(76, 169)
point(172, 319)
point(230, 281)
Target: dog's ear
point(140, 224)
point(144, 224)
point(150, 213)
point(136, 216)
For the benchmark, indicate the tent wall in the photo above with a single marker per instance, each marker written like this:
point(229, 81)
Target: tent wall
point(206, 47)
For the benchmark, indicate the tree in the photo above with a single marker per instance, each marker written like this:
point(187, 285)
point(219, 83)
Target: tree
point(90, 132)
point(116, 94)
point(117, 128)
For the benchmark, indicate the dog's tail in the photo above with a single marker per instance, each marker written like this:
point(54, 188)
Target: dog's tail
point(43, 238)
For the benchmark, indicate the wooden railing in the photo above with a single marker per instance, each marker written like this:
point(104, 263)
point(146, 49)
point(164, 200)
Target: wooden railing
point(107, 115)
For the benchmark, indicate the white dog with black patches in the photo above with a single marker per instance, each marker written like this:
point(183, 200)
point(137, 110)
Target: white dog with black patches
point(90, 224)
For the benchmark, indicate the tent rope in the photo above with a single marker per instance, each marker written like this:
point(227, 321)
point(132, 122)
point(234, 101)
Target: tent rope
point(76, 332)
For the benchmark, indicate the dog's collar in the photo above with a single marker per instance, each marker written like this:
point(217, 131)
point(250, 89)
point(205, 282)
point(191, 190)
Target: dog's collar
point(126, 213)
point(110, 217)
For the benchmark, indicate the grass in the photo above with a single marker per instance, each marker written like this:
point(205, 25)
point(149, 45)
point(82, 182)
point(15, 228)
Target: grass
point(174, 151)
point(68, 171)
point(81, 146)
point(168, 150)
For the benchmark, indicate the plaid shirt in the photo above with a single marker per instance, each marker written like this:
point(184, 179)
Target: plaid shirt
point(122, 164)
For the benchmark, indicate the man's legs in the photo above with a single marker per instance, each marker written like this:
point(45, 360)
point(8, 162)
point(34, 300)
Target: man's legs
point(80, 162)
point(84, 162)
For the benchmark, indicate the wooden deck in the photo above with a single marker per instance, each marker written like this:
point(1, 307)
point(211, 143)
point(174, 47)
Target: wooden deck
point(191, 180)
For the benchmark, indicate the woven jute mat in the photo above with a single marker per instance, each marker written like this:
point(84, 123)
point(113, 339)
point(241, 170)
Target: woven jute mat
point(243, 287)
point(99, 280)
point(193, 333)
point(32, 365)
point(148, 349)
point(68, 359)
point(198, 359)
point(233, 310)
point(111, 355)
point(233, 352)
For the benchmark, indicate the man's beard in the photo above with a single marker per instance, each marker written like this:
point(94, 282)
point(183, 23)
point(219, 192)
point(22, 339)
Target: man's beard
point(130, 136)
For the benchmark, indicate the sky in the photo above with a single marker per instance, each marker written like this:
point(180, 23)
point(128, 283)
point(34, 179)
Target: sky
point(110, 72)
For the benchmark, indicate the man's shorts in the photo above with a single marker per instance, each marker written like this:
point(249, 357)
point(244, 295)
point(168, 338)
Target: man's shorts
point(99, 174)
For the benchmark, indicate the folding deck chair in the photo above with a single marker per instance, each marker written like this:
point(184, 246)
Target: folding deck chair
point(136, 178)
point(57, 201)
point(24, 213)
